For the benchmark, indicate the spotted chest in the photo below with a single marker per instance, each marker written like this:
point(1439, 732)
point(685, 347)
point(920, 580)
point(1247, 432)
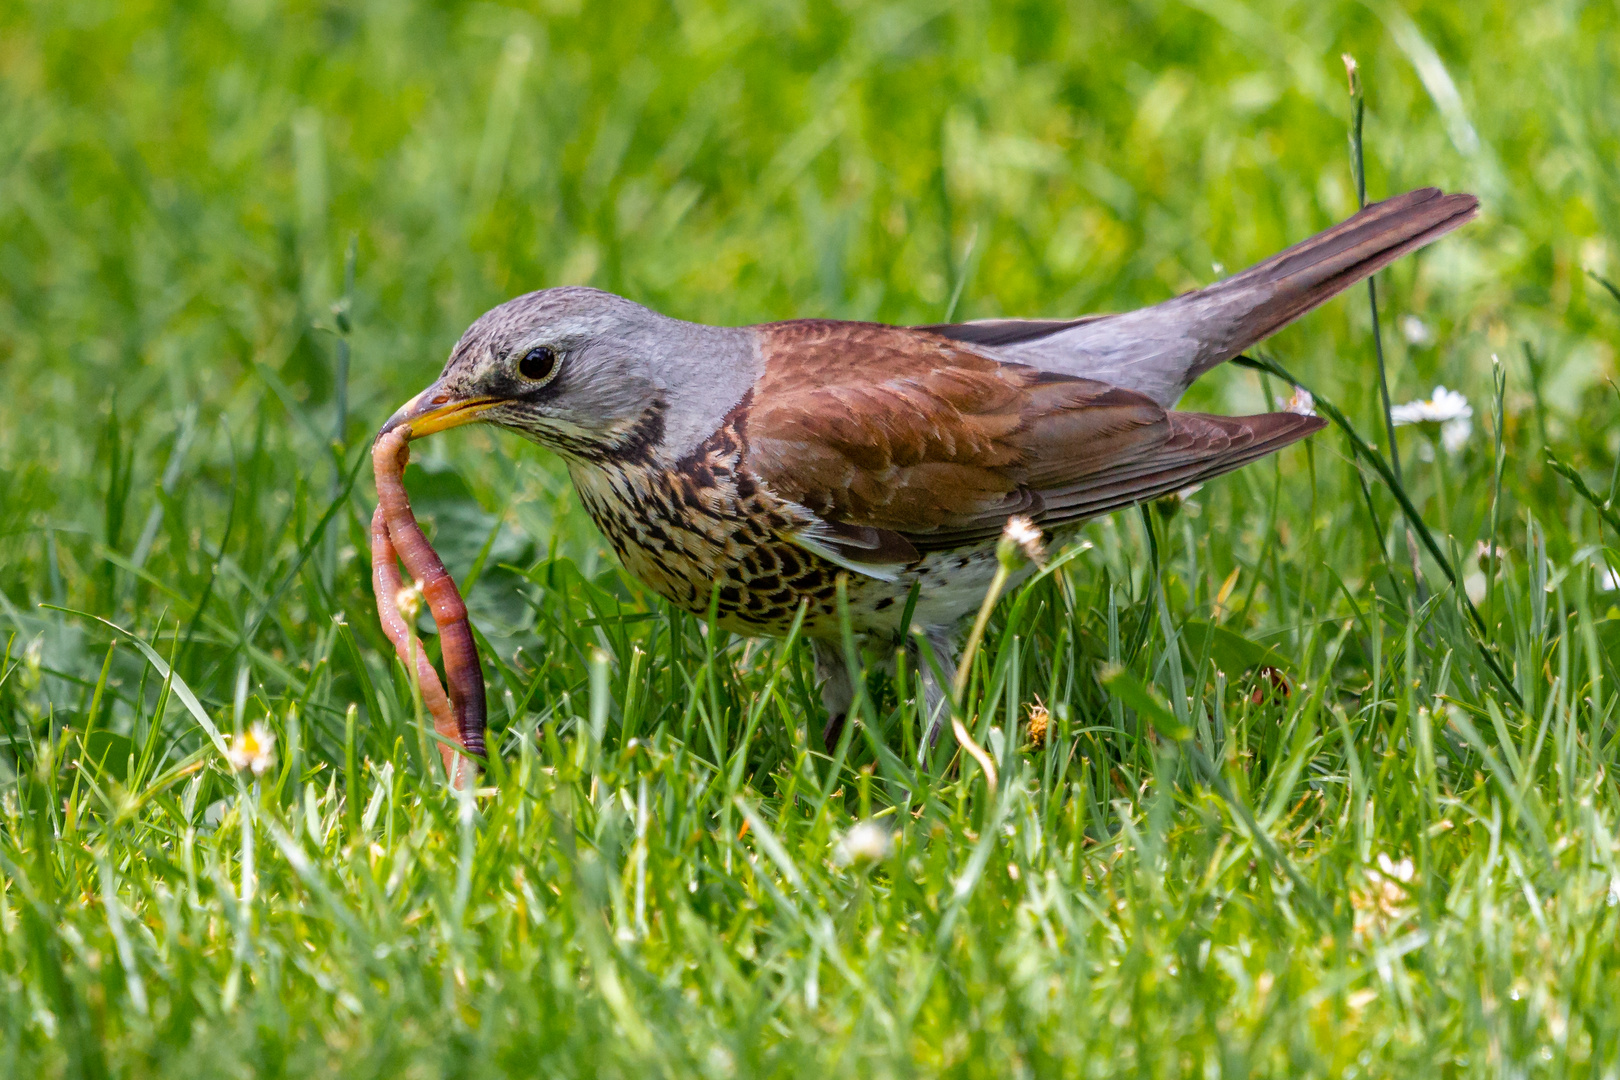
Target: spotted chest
point(701, 526)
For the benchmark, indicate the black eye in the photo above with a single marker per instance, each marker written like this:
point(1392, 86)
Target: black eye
point(538, 363)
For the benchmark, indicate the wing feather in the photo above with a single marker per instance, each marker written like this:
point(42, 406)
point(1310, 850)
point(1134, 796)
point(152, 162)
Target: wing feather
point(902, 441)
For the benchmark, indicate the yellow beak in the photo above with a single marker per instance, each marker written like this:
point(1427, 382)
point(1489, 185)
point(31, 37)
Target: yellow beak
point(435, 409)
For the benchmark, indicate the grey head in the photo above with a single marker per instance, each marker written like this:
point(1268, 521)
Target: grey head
point(590, 375)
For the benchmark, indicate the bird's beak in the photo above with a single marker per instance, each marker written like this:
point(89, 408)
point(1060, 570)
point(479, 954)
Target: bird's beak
point(436, 409)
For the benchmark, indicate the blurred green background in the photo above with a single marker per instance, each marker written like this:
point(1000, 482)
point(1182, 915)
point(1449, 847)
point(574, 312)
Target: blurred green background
point(181, 185)
point(178, 184)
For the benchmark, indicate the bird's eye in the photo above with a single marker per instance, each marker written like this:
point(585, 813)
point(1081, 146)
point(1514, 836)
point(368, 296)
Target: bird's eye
point(538, 363)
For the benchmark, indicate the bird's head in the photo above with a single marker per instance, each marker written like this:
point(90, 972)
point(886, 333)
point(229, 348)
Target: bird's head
point(581, 371)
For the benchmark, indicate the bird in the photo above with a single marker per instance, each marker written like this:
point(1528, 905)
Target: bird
point(744, 470)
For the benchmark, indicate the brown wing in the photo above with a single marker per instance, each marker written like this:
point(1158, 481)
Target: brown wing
point(903, 441)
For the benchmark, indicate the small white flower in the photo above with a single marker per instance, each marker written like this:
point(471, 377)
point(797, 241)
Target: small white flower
point(866, 842)
point(409, 601)
point(1301, 403)
point(1020, 535)
point(1444, 406)
point(1383, 898)
point(253, 750)
point(1454, 434)
point(1416, 331)
point(1447, 408)
point(1396, 871)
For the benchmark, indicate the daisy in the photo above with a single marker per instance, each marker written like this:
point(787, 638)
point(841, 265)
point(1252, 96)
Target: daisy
point(253, 750)
point(1301, 403)
point(1446, 408)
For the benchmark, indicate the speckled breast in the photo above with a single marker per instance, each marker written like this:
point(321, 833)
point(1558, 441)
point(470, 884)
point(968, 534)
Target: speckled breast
point(701, 526)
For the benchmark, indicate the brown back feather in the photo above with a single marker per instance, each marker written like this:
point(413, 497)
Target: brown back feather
point(887, 430)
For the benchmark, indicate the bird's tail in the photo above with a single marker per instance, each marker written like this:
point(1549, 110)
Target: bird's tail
point(1160, 350)
point(1251, 306)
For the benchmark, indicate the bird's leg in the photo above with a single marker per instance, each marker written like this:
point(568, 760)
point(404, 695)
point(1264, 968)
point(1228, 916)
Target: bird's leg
point(936, 685)
point(837, 692)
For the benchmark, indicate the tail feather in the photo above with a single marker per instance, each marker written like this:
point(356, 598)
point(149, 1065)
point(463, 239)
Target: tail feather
point(1275, 292)
point(1160, 350)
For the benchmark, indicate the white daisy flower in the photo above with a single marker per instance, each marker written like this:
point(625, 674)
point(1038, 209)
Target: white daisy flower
point(253, 750)
point(1301, 403)
point(1446, 408)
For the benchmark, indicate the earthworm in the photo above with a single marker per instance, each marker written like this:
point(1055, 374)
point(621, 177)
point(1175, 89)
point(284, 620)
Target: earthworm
point(395, 538)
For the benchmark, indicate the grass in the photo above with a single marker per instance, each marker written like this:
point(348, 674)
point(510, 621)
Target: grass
point(233, 238)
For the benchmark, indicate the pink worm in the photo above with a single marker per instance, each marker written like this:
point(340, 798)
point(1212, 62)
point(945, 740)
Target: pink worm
point(396, 537)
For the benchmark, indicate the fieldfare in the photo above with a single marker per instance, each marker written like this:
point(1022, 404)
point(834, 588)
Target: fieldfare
point(748, 467)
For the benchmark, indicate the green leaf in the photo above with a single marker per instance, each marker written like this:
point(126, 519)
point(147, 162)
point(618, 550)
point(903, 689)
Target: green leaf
point(109, 753)
point(1123, 685)
point(1229, 651)
point(161, 666)
point(1608, 635)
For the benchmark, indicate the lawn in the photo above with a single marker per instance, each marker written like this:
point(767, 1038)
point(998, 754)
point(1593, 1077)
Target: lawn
point(1320, 786)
